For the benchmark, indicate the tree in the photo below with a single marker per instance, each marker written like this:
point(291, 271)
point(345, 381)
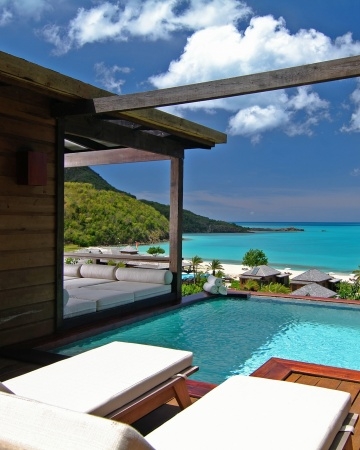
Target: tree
point(214, 266)
point(356, 273)
point(254, 257)
point(155, 251)
point(195, 262)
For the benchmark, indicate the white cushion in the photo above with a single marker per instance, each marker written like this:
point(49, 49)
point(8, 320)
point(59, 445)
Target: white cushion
point(144, 275)
point(77, 307)
point(82, 282)
point(103, 299)
point(72, 270)
point(139, 290)
point(257, 413)
point(99, 381)
point(28, 424)
point(98, 271)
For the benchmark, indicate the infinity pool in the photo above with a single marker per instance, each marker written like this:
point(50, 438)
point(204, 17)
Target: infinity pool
point(235, 336)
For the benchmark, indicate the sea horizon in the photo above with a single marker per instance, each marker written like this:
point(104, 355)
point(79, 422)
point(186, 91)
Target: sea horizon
point(327, 246)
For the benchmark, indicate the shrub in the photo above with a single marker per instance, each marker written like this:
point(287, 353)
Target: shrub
point(155, 251)
point(251, 285)
point(189, 289)
point(276, 288)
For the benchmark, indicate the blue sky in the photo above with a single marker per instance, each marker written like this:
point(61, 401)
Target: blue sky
point(292, 155)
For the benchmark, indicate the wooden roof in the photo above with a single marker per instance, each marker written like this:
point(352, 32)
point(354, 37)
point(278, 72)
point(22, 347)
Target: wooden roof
point(108, 137)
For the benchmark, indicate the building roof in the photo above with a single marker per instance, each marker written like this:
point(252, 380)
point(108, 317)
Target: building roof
point(314, 290)
point(312, 275)
point(107, 138)
point(261, 271)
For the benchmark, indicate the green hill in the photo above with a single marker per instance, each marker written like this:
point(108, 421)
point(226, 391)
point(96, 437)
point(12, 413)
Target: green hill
point(104, 217)
point(96, 213)
point(87, 175)
point(193, 223)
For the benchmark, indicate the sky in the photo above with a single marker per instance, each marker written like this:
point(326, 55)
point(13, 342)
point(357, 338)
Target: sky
point(292, 155)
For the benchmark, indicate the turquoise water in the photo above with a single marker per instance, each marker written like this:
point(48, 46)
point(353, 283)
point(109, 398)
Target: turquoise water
point(234, 336)
point(326, 246)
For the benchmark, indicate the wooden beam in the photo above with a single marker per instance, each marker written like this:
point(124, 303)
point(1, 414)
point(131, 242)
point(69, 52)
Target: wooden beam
point(176, 220)
point(113, 156)
point(101, 130)
point(247, 84)
point(59, 87)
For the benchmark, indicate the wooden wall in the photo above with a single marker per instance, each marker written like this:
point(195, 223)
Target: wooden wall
point(28, 220)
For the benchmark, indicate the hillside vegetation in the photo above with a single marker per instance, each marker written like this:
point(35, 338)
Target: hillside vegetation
point(193, 223)
point(96, 213)
point(98, 217)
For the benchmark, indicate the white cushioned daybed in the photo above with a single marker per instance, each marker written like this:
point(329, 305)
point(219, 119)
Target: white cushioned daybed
point(93, 287)
point(239, 414)
point(105, 381)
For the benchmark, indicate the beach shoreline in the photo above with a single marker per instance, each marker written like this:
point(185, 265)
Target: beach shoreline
point(234, 270)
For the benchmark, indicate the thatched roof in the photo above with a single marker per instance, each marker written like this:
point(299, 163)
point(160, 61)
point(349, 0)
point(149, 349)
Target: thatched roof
point(313, 276)
point(314, 290)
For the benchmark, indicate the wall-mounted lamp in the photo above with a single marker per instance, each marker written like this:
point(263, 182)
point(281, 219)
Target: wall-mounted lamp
point(31, 167)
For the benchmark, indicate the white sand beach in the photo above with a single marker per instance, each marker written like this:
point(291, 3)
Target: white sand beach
point(234, 270)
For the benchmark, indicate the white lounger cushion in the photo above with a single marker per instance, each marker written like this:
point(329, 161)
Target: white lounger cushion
point(28, 424)
point(140, 290)
point(102, 299)
point(99, 381)
point(256, 413)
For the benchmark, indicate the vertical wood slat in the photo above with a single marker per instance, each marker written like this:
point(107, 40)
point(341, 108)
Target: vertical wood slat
point(27, 221)
point(176, 219)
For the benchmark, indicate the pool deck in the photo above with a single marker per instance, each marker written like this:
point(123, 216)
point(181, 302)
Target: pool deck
point(15, 361)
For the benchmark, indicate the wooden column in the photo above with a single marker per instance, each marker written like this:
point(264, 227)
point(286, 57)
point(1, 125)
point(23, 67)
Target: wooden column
point(176, 218)
point(60, 135)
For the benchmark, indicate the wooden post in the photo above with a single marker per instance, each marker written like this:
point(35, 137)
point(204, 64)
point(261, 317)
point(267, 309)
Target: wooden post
point(176, 218)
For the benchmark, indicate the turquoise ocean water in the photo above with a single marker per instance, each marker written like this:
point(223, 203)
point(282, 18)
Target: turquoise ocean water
point(326, 246)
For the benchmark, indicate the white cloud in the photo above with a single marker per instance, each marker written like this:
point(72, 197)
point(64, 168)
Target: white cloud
point(108, 76)
point(149, 19)
point(354, 125)
point(5, 17)
point(34, 9)
point(266, 44)
point(355, 172)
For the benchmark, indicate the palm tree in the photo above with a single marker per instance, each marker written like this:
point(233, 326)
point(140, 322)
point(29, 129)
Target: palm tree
point(214, 266)
point(196, 261)
point(357, 274)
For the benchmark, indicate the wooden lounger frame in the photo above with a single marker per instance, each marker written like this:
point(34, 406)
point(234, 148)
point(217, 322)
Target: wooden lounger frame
point(175, 387)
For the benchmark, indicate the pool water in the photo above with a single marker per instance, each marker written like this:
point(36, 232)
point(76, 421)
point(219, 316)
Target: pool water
point(235, 336)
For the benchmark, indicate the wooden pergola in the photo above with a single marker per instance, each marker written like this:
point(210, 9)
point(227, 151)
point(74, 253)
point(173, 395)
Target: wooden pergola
point(72, 123)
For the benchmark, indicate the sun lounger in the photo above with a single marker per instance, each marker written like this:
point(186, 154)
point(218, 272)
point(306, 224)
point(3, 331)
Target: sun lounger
point(257, 413)
point(301, 417)
point(120, 380)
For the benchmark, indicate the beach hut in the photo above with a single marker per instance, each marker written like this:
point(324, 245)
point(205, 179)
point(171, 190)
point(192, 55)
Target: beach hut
point(37, 140)
point(265, 275)
point(314, 290)
point(314, 276)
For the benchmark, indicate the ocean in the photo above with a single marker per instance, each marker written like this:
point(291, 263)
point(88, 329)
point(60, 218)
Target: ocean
point(326, 246)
